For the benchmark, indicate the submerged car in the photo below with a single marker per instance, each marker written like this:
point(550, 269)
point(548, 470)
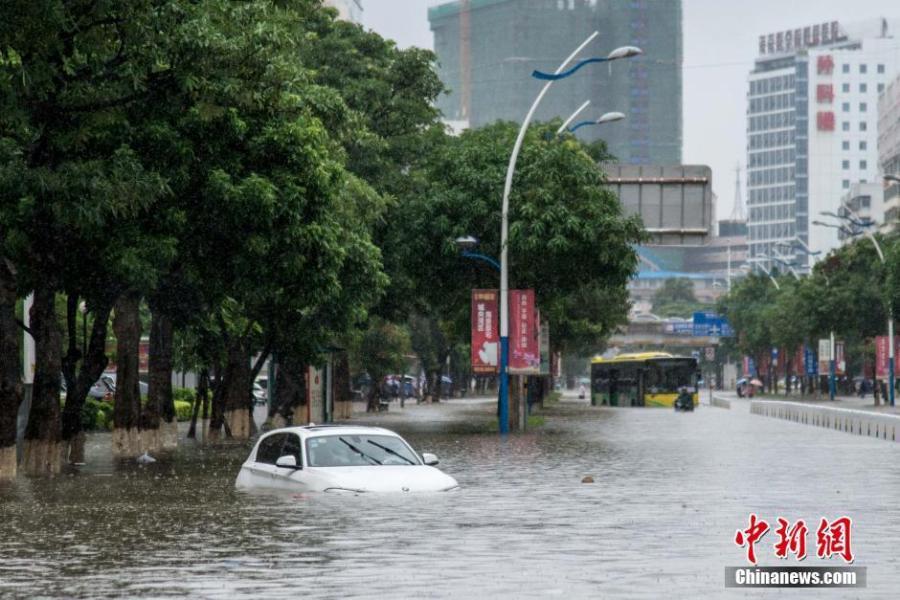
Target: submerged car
point(340, 459)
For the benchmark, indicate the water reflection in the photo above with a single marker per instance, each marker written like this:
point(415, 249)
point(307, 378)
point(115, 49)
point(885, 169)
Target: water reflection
point(669, 491)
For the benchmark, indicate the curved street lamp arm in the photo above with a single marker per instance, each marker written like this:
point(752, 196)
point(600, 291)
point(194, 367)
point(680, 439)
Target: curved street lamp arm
point(481, 257)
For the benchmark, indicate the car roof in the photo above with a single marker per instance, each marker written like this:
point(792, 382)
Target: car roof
point(314, 430)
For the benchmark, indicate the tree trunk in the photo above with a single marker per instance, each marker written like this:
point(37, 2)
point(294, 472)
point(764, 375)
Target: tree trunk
point(200, 398)
point(126, 438)
point(78, 386)
point(43, 447)
point(289, 406)
point(217, 404)
point(232, 401)
point(343, 398)
point(10, 371)
point(160, 404)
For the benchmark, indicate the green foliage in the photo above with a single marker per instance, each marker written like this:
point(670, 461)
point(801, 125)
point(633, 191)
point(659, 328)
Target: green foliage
point(96, 415)
point(184, 395)
point(848, 293)
point(183, 410)
point(568, 238)
point(382, 349)
point(676, 299)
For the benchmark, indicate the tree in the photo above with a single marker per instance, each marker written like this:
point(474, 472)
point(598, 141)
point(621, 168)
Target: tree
point(568, 238)
point(676, 299)
point(381, 351)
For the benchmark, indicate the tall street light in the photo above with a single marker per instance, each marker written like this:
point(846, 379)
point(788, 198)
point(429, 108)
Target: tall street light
point(863, 225)
point(604, 118)
point(560, 73)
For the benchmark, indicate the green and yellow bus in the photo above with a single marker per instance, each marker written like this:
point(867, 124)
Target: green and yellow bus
point(642, 379)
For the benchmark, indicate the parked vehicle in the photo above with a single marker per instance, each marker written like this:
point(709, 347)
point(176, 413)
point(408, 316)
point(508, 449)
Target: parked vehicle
point(109, 380)
point(259, 394)
point(340, 459)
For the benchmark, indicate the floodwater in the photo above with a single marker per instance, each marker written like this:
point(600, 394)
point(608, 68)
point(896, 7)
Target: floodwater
point(659, 521)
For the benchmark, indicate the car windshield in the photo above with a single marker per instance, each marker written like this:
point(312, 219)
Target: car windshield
point(358, 450)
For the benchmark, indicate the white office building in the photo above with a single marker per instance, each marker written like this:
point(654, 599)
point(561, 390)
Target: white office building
point(812, 130)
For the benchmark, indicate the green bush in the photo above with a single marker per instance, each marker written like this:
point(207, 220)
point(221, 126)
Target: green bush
point(182, 410)
point(96, 415)
point(183, 395)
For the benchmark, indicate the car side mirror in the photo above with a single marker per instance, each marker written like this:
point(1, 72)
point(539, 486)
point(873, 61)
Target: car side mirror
point(429, 459)
point(288, 461)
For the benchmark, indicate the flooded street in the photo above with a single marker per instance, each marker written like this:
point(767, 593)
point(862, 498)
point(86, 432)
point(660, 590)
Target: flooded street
point(670, 490)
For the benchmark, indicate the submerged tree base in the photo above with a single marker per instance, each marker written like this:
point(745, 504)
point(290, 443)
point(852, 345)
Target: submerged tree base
point(76, 449)
point(168, 435)
point(8, 463)
point(238, 423)
point(41, 458)
point(126, 443)
point(151, 440)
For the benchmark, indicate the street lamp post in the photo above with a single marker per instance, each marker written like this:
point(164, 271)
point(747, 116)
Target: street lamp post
point(623, 52)
point(863, 225)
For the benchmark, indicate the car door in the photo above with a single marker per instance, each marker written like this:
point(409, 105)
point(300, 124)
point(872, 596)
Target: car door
point(263, 468)
point(287, 477)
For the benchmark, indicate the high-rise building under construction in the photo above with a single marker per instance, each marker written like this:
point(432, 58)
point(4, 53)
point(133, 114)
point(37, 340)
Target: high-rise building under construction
point(487, 50)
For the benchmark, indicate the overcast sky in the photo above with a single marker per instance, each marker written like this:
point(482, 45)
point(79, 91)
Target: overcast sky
point(720, 43)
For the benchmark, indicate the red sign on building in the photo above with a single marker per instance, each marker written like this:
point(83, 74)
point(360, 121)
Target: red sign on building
point(825, 120)
point(485, 338)
point(824, 93)
point(825, 64)
point(524, 333)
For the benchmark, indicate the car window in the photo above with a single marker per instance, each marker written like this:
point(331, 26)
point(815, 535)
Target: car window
point(270, 448)
point(358, 451)
point(293, 447)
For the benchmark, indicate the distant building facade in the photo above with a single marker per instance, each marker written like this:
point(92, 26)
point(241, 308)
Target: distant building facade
point(487, 50)
point(812, 130)
point(889, 153)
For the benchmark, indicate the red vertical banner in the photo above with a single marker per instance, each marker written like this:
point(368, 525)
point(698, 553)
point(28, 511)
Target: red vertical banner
point(485, 336)
point(840, 366)
point(881, 356)
point(524, 334)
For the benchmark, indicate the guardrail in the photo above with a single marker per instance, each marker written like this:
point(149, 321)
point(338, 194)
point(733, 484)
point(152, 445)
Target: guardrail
point(858, 422)
point(719, 402)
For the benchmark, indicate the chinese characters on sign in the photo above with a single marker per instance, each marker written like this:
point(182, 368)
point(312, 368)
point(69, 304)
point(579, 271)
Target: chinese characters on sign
point(797, 39)
point(832, 538)
point(485, 337)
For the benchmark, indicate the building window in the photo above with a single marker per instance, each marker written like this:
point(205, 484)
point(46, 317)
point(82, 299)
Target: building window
point(863, 126)
point(845, 88)
point(845, 107)
point(862, 165)
point(845, 126)
point(845, 145)
point(862, 107)
point(863, 88)
point(845, 165)
point(845, 184)
point(845, 68)
point(862, 68)
point(880, 87)
point(881, 69)
point(863, 145)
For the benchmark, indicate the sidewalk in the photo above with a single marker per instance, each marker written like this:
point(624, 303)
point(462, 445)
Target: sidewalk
point(854, 402)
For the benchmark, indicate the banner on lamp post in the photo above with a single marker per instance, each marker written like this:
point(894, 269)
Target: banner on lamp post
point(485, 347)
point(524, 334)
point(882, 356)
point(545, 348)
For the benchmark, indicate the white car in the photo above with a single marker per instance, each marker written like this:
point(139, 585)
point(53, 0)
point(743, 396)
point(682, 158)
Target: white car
point(341, 459)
